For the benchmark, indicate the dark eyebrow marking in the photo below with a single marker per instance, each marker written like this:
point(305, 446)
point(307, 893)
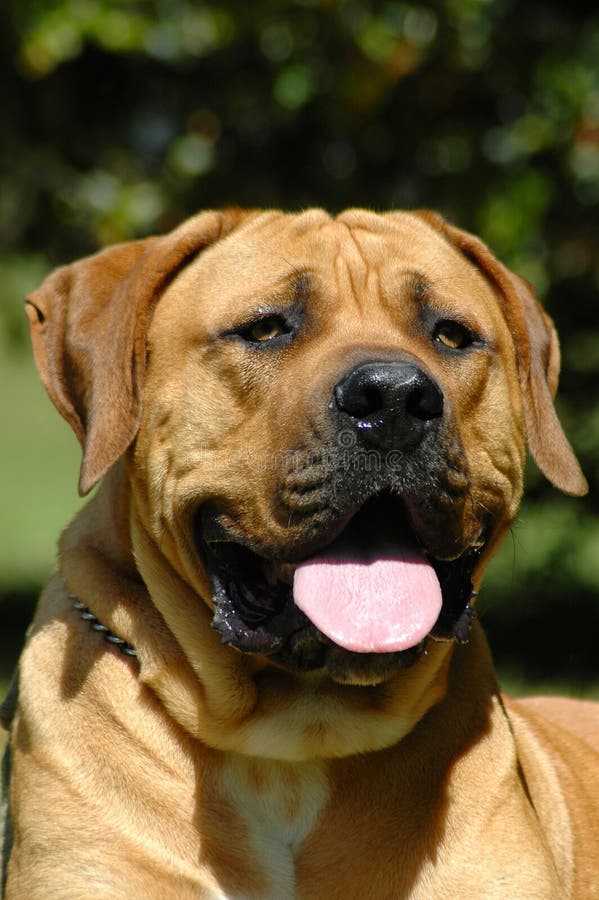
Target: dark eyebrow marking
point(419, 285)
point(301, 285)
point(288, 298)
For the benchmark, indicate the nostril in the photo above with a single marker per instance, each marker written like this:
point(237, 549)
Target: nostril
point(360, 403)
point(375, 399)
point(425, 402)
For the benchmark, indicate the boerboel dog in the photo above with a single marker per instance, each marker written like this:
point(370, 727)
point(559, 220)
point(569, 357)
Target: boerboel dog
point(257, 672)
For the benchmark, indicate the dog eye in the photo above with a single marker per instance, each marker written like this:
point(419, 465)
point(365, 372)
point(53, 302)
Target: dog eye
point(265, 329)
point(453, 335)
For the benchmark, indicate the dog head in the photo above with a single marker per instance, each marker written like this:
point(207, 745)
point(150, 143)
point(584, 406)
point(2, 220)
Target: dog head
point(325, 420)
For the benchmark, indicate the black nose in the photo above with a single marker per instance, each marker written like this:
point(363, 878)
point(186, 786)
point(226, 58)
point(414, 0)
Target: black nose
point(389, 404)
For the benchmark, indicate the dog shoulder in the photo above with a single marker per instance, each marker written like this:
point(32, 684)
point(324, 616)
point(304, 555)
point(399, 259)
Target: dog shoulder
point(557, 741)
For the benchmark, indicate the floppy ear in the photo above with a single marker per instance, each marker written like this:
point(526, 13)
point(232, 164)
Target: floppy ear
point(538, 359)
point(88, 324)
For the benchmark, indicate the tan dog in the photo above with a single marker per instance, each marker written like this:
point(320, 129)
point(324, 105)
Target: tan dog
point(311, 434)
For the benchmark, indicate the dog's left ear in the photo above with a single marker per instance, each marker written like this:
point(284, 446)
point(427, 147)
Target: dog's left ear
point(538, 359)
point(88, 324)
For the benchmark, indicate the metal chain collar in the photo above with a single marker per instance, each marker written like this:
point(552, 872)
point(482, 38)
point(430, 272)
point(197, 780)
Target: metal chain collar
point(96, 625)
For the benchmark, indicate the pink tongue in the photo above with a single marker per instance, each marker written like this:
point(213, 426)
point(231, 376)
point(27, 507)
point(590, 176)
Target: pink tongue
point(369, 602)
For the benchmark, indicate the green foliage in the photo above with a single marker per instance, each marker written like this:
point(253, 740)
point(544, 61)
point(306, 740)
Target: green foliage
point(120, 117)
point(39, 462)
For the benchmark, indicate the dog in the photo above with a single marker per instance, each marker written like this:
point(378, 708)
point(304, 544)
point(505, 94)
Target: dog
point(257, 672)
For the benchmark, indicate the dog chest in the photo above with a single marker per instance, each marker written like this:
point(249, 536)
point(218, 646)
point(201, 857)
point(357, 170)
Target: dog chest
point(278, 804)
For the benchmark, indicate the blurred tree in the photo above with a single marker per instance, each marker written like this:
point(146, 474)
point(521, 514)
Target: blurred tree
point(121, 118)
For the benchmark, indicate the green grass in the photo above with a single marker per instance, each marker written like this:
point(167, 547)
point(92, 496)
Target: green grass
point(39, 463)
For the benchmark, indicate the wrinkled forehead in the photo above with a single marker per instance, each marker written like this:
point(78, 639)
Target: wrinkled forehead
point(358, 248)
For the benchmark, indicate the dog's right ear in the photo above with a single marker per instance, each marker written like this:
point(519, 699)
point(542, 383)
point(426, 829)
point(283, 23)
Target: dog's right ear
point(88, 324)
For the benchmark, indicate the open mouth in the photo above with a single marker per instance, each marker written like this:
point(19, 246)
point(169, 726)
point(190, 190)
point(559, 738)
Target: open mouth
point(371, 592)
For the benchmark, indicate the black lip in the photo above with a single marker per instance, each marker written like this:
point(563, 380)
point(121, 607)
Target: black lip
point(257, 617)
point(457, 613)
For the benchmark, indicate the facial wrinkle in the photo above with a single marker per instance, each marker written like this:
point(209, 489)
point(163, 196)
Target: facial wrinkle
point(354, 274)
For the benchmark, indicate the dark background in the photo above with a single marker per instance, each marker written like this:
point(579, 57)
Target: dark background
point(119, 119)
